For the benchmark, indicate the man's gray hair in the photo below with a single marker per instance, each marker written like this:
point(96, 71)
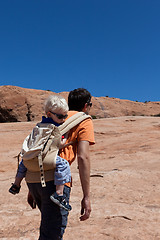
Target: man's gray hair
point(55, 102)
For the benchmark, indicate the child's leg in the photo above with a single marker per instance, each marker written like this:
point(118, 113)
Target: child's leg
point(62, 175)
point(60, 201)
point(59, 190)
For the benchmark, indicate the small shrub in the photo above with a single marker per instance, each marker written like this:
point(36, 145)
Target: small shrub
point(94, 117)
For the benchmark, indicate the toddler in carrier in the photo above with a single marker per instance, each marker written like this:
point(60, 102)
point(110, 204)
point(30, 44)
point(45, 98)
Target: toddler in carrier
point(56, 109)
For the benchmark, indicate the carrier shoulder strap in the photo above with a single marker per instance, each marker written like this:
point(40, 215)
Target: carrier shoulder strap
point(64, 128)
point(73, 121)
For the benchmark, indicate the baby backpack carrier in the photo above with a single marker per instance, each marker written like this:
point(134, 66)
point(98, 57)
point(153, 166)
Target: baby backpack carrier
point(40, 148)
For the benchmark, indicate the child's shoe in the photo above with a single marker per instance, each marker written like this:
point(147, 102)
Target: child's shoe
point(60, 201)
point(14, 189)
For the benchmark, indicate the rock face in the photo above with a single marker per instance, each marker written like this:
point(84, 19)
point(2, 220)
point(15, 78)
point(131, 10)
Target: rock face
point(125, 191)
point(22, 105)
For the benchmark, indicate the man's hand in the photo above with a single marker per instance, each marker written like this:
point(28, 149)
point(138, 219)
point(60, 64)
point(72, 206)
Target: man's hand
point(31, 201)
point(85, 209)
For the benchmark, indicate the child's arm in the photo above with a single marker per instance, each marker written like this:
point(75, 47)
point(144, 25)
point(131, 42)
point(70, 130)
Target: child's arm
point(21, 172)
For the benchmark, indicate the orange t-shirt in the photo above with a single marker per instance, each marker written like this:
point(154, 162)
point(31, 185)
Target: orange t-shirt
point(82, 132)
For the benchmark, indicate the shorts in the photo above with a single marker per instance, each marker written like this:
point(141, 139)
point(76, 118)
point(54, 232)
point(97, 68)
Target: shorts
point(62, 172)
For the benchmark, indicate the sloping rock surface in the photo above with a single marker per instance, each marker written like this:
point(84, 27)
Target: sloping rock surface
point(21, 105)
point(125, 188)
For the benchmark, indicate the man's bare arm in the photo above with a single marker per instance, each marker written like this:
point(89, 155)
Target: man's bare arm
point(84, 173)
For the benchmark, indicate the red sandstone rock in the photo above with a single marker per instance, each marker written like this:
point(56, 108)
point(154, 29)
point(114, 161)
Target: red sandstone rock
point(20, 104)
point(125, 189)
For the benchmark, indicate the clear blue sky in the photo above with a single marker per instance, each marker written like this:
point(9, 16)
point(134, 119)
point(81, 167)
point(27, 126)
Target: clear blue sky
point(110, 47)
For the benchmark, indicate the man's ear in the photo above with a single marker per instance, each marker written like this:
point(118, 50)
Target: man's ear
point(85, 108)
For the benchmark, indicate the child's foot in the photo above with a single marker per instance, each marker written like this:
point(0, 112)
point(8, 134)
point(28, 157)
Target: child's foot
point(60, 201)
point(14, 189)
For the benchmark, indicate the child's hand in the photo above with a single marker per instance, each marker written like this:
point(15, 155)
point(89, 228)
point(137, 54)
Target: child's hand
point(63, 140)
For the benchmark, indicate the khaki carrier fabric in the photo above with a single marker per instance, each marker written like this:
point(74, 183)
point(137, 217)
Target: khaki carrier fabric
point(40, 148)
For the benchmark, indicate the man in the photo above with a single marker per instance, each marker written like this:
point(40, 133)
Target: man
point(54, 220)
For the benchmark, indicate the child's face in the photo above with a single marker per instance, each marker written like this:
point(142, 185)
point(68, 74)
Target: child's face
point(58, 116)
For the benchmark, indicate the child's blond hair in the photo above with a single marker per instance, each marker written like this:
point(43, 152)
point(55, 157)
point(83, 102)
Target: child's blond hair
point(55, 102)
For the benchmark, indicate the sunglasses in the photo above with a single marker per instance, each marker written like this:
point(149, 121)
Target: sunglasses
point(60, 116)
point(89, 104)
